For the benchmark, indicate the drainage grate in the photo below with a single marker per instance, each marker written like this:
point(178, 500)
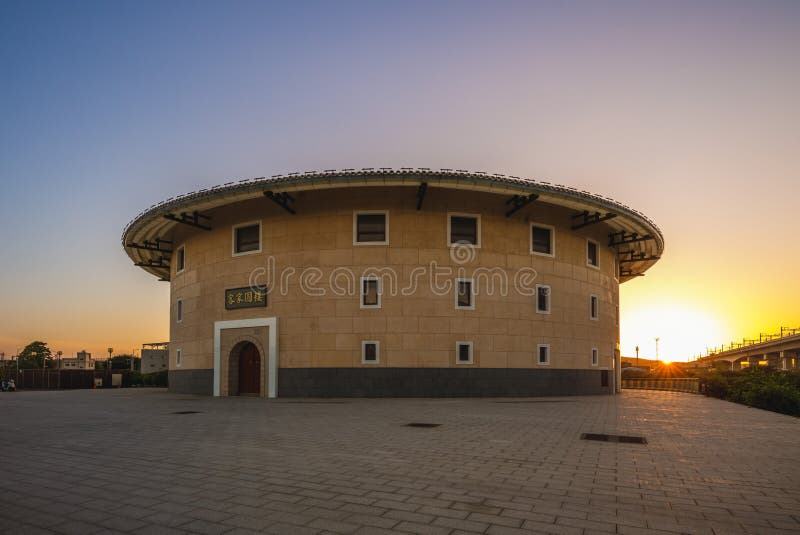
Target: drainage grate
point(614, 438)
point(186, 412)
point(538, 401)
point(422, 424)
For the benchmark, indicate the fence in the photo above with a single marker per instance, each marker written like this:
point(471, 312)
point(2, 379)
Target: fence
point(68, 379)
point(691, 385)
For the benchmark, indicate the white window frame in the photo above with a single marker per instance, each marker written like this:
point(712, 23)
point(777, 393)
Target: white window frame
point(471, 291)
point(364, 351)
point(478, 237)
point(549, 299)
point(552, 239)
point(597, 245)
point(178, 358)
point(595, 357)
point(595, 317)
point(539, 351)
point(179, 310)
point(361, 293)
point(233, 238)
point(471, 352)
point(356, 213)
point(182, 247)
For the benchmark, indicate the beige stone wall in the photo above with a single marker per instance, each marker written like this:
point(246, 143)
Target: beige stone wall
point(418, 330)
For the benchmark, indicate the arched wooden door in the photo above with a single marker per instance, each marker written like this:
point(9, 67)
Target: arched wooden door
point(249, 370)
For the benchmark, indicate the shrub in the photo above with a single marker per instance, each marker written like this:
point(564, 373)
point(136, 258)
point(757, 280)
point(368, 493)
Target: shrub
point(761, 387)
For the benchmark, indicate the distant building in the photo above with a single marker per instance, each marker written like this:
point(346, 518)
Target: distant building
point(83, 361)
point(155, 357)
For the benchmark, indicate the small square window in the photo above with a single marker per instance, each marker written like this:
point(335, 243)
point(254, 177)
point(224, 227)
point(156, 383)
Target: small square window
point(592, 254)
point(180, 259)
point(542, 299)
point(178, 358)
point(179, 311)
point(542, 240)
point(465, 298)
point(543, 354)
point(370, 292)
point(595, 357)
point(370, 228)
point(370, 351)
point(464, 353)
point(594, 313)
point(247, 238)
point(464, 229)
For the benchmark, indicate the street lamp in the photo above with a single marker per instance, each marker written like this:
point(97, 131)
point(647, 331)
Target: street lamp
point(657, 339)
point(108, 364)
point(637, 356)
point(58, 354)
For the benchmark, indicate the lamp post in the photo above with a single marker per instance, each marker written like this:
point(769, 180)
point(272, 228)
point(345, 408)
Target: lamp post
point(657, 339)
point(637, 356)
point(58, 354)
point(108, 365)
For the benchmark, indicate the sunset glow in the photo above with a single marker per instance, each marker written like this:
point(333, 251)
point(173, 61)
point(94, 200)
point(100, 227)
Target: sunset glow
point(690, 116)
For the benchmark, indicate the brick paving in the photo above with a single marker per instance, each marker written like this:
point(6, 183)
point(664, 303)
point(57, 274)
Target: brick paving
point(122, 461)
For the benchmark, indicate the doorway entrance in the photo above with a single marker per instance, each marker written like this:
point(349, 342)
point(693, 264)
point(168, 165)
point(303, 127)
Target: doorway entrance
point(249, 370)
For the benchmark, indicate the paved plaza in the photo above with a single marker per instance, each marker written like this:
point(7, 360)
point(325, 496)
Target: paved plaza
point(146, 461)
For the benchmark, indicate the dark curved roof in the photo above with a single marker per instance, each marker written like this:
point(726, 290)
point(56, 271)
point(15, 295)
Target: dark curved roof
point(151, 223)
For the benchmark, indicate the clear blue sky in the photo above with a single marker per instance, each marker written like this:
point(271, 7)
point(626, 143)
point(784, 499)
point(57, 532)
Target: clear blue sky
point(685, 110)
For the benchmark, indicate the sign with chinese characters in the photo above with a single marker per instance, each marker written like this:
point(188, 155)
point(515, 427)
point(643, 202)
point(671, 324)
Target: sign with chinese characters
point(245, 298)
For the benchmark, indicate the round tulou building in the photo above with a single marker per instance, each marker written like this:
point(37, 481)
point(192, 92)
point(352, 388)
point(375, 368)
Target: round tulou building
point(393, 282)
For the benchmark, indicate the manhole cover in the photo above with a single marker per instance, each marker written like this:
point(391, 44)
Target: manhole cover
point(186, 412)
point(422, 424)
point(614, 438)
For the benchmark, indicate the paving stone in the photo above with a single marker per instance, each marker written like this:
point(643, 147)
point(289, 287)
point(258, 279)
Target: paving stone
point(247, 465)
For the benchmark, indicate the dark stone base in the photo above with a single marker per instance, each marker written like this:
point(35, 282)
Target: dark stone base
point(192, 382)
point(438, 382)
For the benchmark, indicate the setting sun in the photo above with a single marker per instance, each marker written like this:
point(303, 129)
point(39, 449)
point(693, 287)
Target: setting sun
point(682, 330)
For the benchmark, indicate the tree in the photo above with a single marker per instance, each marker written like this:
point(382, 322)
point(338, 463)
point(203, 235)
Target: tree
point(35, 355)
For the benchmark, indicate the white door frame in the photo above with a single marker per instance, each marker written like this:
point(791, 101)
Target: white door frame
point(272, 324)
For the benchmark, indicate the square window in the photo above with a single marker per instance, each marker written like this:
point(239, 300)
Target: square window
point(247, 238)
point(465, 297)
point(464, 229)
point(542, 299)
point(542, 240)
point(543, 354)
point(464, 353)
point(180, 259)
point(592, 254)
point(594, 314)
point(370, 351)
point(179, 311)
point(370, 227)
point(595, 357)
point(370, 292)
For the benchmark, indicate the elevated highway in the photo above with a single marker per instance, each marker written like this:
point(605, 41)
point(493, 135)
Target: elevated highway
point(778, 351)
